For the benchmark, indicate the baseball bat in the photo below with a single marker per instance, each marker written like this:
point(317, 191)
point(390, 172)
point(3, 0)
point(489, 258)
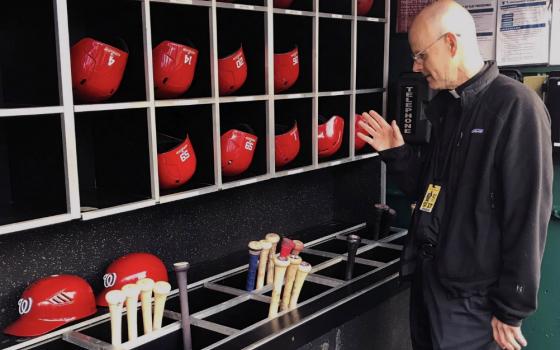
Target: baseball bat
point(263, 260)
point(115, 300)
point(254, 252)
point(373, 221)
point(280, 265)
point(181, 272)
point(286, 247)
point(353, 244)
point(131, 291)
point(298, 247)
point(273, 238)
point(303, 270)
point(295, 261)
point(161, 291)
point(146, 286)
point(387, 221)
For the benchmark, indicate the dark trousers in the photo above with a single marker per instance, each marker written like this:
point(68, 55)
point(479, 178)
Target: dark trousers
point(440, 322)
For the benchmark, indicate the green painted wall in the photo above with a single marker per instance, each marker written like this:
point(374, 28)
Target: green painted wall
point(542, 329)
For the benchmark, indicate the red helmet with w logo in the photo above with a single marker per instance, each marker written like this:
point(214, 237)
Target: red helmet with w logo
point(174, 67)
point(129, 269)
point(52, 302)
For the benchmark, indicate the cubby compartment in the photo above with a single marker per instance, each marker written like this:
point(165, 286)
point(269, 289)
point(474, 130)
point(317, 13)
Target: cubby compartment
point(299, 5)
point(337, 246)
point(381, 254)
point(237, 280)
point(196, 160)
point(117, 23)
point(308, 291)
point(342, 7)
point(199, 299)
point(329, 135)
point(313, 259)
point(248, 117)
point(370, 54)
point(32, 176)
point(201, 338)
point(239, 29)
point(293, 32)
point(288, 113)
point(245, 2)
point(334, 54)
point(113, 158)
point(376, 8)
point(242, 315)
point(365, 103)
point(338, 270)
point(184, 25)
point(28, 68)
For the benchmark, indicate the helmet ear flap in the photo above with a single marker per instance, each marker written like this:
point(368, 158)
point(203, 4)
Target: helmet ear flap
point(287, 144)
point(174, 68)
point(238, 147)
point(286, 70)
point(176, 166)
point(232, 72)
point(330, 135)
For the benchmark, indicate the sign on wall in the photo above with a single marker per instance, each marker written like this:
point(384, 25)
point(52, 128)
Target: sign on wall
point(484, 15)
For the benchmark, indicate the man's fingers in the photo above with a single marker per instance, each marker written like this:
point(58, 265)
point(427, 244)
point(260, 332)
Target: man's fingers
point(371, 121)
point(503, 339)
point(496, 335)
point(397, 132)
point(519, 336)
point(511, 339)
point(379, 119)
point(369, 129)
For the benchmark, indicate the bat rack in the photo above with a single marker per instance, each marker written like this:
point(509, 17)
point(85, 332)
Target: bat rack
point(225, 316)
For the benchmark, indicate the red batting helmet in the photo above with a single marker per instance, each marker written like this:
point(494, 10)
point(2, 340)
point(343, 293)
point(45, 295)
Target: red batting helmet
point(97, 69)
point(364, 6)
point(286, 144)
point(330, 135)
point(129, 269)
point(175, 166)
point(358, 142)
point(283, 4)
point(174, 66)
point(232, 72)
point(52, 302)
point(286, 70)
point(238, 148)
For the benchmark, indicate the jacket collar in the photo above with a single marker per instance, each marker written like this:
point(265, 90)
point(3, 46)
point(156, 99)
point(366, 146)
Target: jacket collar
point(467, 92)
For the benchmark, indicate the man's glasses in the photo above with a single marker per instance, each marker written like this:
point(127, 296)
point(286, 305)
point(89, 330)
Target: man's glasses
point(420, 56)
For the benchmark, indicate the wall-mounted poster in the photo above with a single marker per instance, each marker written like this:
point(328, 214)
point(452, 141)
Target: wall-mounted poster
point(484, 14)
point(523, 32)
point(555, 34)
point(407, 10)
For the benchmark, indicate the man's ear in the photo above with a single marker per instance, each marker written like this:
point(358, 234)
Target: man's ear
point(451, 41)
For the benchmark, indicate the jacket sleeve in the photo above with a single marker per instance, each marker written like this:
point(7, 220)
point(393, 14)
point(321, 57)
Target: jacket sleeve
point(404, 164)
point(525, 171)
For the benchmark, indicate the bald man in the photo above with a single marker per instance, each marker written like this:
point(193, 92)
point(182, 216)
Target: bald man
point(483, 187)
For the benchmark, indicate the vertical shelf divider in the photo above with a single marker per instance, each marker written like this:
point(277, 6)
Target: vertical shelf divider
point(383, 175)
point(315, 86)
point(269, 69)
point(353, 72)
point(151, 117)
point(215, 94)
point(67, 120)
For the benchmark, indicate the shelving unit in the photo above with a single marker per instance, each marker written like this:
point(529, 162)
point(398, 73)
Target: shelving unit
point(102, 157)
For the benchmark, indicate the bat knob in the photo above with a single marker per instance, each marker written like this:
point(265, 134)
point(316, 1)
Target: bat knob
point(298, 247)
point(181, 266)
point(115, 297)
point(146, 284)
point(272, 237)
point(266, 245)
point(131, 291)
point(162, 288)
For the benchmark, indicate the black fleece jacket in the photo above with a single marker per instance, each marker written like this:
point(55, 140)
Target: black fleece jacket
point(490, 221)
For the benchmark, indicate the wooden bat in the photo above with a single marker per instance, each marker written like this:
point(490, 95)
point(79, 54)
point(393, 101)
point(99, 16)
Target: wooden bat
point(295, 261)
point(298, 247)
point(273, 238)
point(146, 286)
point(254, 252)
point(115, 300)
point(263, 260)
point(280, 265)
point(131, 291)
point(181, 272)
point(161, 291)
point(303, 269)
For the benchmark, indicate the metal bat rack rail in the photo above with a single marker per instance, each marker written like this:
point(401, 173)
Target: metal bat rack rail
point(225, 316)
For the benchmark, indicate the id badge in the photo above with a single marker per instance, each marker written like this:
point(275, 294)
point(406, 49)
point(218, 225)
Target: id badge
point(430, 198)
